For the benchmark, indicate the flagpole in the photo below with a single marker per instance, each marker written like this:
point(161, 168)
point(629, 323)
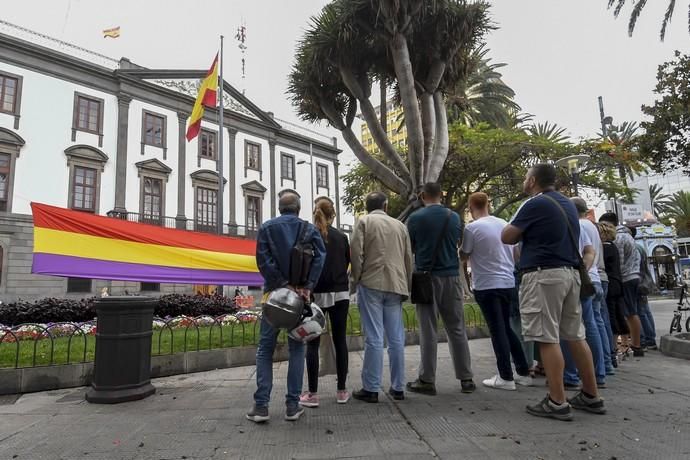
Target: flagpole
point(219, 163)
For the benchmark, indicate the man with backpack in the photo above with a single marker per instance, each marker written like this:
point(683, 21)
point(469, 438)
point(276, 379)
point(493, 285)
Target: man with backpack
point(289, 253)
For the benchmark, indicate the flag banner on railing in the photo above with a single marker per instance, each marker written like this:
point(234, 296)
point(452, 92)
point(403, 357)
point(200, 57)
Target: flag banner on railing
point(81, 245)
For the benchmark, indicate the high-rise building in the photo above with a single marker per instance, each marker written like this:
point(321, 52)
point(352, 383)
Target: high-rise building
point(395, 129)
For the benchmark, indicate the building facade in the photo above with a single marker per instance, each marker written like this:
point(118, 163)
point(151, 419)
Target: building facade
point(108, 137)
point(395, 129)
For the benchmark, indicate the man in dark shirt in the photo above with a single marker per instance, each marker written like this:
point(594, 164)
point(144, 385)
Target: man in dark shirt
point(550, 291)
point(274, 244)
point(426, 227)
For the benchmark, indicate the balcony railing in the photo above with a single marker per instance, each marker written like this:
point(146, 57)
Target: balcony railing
point(238, 231)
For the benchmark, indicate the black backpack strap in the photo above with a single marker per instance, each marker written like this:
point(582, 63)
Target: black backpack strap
point(301, 234)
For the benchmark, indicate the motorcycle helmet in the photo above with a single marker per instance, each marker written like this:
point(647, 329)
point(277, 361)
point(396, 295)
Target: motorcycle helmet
point(311, 326)
point(283, 308)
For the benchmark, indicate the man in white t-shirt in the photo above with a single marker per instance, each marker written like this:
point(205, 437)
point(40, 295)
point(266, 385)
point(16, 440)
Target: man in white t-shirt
point(590, 241)
point(493, 284)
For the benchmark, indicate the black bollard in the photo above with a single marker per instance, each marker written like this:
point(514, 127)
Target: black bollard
point(122, 368)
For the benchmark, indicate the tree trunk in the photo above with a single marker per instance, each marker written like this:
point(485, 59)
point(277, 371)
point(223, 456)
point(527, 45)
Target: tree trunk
point(426, 103)
point(382, 172)
point(408, 97)
point(383, 93)
point(440, 152)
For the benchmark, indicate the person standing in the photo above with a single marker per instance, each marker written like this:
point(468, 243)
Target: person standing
point(605, 281)
point(493, 283)
point(614, 294)
point(381, 271)
point(630, 273)
point(550, 291)
point(332, 295)
point(275, 241)
point(648, 331)
point(430, 227)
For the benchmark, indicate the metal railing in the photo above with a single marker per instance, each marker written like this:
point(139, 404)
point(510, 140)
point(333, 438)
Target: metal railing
point(237, 231)
point(34, 345)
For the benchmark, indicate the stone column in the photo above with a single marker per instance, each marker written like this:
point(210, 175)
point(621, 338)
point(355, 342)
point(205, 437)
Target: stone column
point(180, 218)
point(272, 162)
point(336, 163)
point(123, 101)
point(232, 177)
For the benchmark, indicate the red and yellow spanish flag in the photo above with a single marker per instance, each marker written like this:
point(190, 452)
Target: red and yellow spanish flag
point(76, 244)
point(208, 96)
point(113, 32)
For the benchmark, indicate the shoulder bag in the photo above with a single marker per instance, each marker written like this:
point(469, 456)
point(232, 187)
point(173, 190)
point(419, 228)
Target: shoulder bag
point(422, 289)
point(301, 256)
point(586, 286)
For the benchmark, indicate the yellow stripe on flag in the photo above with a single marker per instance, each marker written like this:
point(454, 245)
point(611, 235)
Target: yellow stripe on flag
point(59, 242)
point(112, 33)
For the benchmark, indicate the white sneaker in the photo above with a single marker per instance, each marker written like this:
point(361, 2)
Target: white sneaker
point(497, 382)
point(524, 380)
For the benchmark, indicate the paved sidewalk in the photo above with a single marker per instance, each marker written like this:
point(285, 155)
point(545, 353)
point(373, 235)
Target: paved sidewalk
point(201, 416)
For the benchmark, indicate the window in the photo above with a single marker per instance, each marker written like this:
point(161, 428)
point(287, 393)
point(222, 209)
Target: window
point(152, 209)
point(88, 114)
point(10, 87)
point(78, 285)
point(206, 207)
point(253, 213)
point(153, 132)
point(252, 156)
point(321, 175)
point(287, 166)
point(150, 287)
point(84, 189)
point(207, 144)
point(5, 164)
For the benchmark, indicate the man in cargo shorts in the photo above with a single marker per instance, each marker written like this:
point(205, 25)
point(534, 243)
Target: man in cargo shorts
point(550, 291)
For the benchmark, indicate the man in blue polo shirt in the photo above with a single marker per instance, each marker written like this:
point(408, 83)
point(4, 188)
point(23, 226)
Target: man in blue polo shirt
point(550, 291)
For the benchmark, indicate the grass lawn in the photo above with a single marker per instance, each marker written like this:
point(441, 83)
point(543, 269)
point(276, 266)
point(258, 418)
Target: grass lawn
point(168, 341)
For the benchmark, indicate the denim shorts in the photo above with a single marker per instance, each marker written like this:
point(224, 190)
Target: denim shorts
point(631, 298)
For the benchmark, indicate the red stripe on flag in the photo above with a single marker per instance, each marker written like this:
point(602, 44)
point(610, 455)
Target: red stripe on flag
point(210, 98)
point(193, 130)
point(55, 218)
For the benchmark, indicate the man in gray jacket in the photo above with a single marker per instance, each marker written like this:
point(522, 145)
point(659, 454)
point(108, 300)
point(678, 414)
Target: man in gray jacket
point(630, 274)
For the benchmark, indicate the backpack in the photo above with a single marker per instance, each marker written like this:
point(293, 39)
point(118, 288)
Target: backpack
point(301, 257)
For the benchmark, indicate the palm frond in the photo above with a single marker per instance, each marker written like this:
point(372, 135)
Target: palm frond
point(637, 9)
point(667, 18)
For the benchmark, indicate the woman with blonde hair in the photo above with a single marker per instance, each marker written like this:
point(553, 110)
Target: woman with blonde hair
point(331, 293)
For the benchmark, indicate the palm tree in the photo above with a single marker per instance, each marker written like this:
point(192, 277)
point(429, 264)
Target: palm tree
point(638, 6)
point(621, 143)
point(657, 197)
point(483, 96)
point(549, 132)
point(678, 208)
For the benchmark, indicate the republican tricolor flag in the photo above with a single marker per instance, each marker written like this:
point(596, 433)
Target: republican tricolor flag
point(207, 97)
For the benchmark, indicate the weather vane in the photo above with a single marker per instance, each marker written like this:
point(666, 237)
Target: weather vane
point(241, 37)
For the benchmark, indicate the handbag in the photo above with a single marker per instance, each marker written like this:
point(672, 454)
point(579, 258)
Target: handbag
point(422, 289)
point(586, 285)
point(301, 256)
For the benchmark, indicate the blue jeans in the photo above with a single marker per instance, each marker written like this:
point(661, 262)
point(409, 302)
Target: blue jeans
point(648, 327)
point(381, 312)
point(599, 307)
point(594, 342)
point(607, 321)
point(264, 367)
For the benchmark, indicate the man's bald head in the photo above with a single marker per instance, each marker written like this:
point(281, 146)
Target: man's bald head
point(289, 203)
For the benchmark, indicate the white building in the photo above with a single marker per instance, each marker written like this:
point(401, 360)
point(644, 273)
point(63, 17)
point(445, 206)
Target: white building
point(108, 137)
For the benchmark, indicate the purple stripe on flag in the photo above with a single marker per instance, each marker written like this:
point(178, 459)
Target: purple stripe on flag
point(78, 267)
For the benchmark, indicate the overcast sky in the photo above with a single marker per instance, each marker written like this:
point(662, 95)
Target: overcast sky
point(561, 54)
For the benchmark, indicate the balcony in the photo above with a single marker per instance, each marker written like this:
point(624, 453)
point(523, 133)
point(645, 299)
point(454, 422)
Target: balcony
point(237, 231)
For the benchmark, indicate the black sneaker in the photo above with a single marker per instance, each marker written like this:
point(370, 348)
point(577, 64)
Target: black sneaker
point(614, 361)
point(420, 386)
point(397, 395)
point(258, 414)
point(571, 386)
point(545, 408)
point(601, 385)
point(366, 396)
point(582, 402)
point(467, 386)
point(638, 352)
point(293, 413)
point(652, 346)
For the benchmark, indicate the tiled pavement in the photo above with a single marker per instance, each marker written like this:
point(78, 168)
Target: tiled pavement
point(201, 416)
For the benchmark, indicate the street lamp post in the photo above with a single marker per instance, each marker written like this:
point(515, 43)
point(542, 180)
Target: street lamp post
point(311, 173)
point(573, 163)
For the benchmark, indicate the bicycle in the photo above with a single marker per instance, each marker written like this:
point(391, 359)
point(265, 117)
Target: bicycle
point(681, 310)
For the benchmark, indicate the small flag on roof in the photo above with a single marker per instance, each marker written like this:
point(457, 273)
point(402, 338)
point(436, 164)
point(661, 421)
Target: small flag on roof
point(113, 32)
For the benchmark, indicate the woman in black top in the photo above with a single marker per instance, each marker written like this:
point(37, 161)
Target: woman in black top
point(614, 295)
point(331, 293)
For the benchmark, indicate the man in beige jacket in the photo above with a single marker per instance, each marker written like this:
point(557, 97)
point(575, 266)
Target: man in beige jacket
point(381, 257)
